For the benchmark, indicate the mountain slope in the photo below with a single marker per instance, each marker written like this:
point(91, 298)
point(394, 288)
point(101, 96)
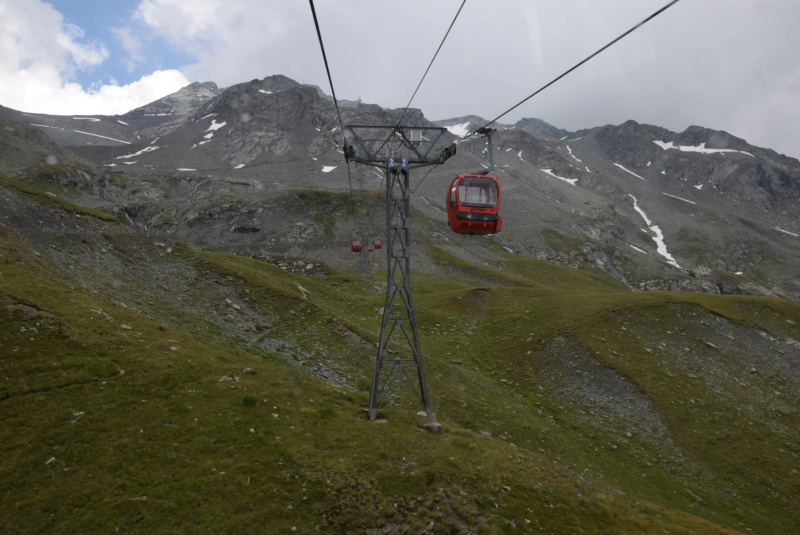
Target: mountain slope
point(146, 122)
point(139, 370)
point(22, 146)
point(718, 219)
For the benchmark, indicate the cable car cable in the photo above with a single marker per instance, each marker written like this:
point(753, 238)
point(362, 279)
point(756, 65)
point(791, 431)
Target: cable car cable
point(426, 70)
point(431, 63)
point(335, 103)
point(431, 168)
point(645, 21)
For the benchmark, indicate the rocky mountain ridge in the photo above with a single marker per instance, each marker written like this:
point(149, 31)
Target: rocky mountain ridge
point(698, 210)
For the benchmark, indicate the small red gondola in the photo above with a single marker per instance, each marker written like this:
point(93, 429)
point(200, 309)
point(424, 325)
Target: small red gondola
point(377, 243)
point(473, 202)
point(356, 245)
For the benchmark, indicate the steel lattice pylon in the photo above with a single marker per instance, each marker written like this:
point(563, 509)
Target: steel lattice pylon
point(403, 149)
point(398, 310)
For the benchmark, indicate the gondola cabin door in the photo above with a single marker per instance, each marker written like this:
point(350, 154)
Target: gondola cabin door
point(473, 202)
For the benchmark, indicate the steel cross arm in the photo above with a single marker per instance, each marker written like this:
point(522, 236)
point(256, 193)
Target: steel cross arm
point(378, 157)
point(405, 141)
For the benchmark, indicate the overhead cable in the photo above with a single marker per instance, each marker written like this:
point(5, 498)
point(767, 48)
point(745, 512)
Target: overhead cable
point(645, 21)
point(325, 59)
point(336, 105)
point(431, 63)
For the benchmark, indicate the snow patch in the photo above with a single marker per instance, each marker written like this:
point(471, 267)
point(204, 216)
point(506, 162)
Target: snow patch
point(239, 166)
point(787, 232)
point(679, 198)
point(627, 171)
point(696, 148)
point(215, 125)
point(149, 148)
point(661, 247)
point(459, 130)
point(122, 122)
point(570, 153)
point(568, 180)
point(104, 137)
point(87, 119)
point(641, 251)
point(329, 168)
point(265, 92)
point(520, 156)
point(185, 169)
point(699, 186)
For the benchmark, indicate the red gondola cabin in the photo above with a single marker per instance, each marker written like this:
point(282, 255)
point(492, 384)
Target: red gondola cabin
point(356, 245)
point(472, 204)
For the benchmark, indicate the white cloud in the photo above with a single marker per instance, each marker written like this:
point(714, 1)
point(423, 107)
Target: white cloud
point(35, 37)
point(132, 45)
point(83, 55)
point(698, 63)
point(234, 41)
point(39, 54)
point(180, 21)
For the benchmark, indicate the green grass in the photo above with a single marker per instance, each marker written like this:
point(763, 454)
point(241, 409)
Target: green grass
point(43, 197)
point(113, 420)
point(561, 243)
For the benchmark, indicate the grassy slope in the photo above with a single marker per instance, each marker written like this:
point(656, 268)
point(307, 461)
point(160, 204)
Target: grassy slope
point(113, 420)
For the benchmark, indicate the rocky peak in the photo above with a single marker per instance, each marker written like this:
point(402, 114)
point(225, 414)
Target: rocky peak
point(696, 136)
point(276, 83)
point(181, 103)
point(630, 143)
point(251, 106)
point(463, 125)
point(538, 126)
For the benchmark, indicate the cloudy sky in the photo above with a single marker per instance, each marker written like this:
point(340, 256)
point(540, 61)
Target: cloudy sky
point(725, 64)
